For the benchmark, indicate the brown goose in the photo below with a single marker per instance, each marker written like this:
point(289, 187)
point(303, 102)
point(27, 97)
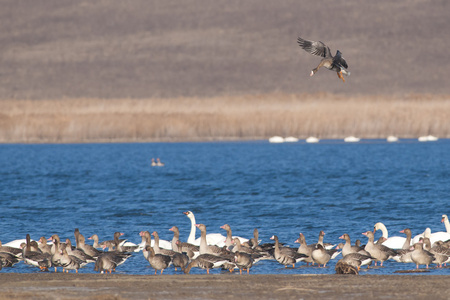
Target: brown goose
point(320, 255)
point(229, 239)
point(8, 259)
point(357, 260)
point(88, 249)
point(12, 250)
point(43, 246)
point(34, 258)
point(56, 257)
point(404, 254)
point(285, 255)
point(348, 248)
point(441, 254)
point(420, 256)
point(254, 241)
point(105, 263)
point(94, 237)
point(254, 253)
point(157, 261)
point(80, 254)
point(335, 63)
point(69, 262)
point(180, 259)
point(204, 247)
point(178, 246)
point(207, 261)
point(110, 260)
point(305, 249)
point(377, 251)
point(243, 261)
point(159, 250)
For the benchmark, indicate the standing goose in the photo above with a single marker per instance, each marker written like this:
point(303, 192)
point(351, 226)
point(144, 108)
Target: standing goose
point(335, 63)
point(69, 262)
point(254, 253)
point(179, 246)
point(157, 261)
point(320, 255)
point(159, 250)
point(254, 241)
point(80, 254)
point(420, 256)
point(88, 249)
point(180, 259)
point(207, 261)
point(286, 256)
point(404, 254)
point(348, 248)
point(305, 249)
point(243, 261)
point(204, 247)
point(441, 254)
point(34, 258)
point(377, 251)
point(43, 246)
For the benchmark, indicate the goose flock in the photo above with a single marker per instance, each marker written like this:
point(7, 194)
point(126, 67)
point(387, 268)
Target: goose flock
point(227, 252)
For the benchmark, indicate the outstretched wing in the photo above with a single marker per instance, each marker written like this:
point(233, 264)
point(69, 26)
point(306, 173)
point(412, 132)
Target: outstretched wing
point(316, 48)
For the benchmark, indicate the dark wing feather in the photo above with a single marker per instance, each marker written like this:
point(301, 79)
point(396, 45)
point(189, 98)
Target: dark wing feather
point(339, 60)
point(316, 48)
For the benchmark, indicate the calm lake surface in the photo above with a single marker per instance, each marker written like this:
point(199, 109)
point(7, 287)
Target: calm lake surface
point(281, 189)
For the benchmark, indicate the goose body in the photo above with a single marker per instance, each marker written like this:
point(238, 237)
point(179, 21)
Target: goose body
point(379, 252)
point(286, 256)
point(335, 63)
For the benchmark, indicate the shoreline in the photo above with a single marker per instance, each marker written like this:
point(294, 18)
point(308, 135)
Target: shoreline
point(232, 118)
point(101, 286)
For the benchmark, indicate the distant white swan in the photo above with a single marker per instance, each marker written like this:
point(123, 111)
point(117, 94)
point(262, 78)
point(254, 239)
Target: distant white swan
point(276, 139)
point(351, 139)
point(312, 139)
point(392, 139)
point(427, 138)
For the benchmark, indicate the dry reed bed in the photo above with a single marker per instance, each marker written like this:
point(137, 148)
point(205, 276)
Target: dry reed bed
point(222, 118)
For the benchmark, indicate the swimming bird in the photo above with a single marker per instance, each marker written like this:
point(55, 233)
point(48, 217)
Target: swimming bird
point(335, 63)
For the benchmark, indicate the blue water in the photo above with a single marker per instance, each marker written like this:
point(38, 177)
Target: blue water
point(281, 189)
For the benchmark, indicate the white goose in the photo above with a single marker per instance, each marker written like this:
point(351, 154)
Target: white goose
point(211, 238)
point(394, 242)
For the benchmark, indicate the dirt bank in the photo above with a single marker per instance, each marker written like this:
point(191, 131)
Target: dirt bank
point(96, 286)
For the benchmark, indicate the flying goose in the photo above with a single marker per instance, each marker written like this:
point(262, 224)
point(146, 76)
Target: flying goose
point(335, 63)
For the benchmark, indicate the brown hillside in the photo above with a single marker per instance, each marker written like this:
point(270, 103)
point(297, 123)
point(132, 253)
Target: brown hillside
point(57, 49)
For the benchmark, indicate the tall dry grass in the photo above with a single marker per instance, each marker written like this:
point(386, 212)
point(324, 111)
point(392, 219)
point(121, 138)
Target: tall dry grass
point(222, 118)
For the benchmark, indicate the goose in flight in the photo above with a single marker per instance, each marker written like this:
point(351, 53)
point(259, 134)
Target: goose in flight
point(335, 63)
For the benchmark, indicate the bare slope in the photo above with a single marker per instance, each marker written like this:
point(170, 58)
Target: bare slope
point(140, 49)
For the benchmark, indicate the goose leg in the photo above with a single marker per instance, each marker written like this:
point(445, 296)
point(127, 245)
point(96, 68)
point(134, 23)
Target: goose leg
point(339, 74)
